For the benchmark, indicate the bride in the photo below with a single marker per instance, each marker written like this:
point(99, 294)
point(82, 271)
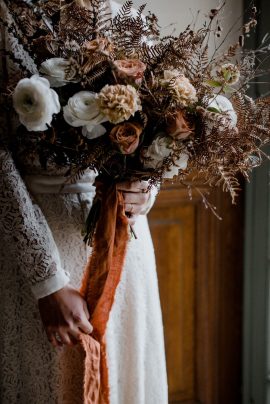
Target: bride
point(41, 263)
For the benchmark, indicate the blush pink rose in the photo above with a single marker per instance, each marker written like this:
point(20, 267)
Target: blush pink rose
point(130, 70)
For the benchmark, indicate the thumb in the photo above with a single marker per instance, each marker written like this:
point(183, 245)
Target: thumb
point(86, 311)
point(85, 326)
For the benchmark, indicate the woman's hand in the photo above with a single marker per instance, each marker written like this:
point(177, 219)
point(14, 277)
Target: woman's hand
point(65, 316)
point(136, 197)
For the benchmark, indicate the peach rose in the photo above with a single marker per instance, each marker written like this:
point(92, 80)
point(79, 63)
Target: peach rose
point(130, 70)
point(177, 126)
point(126, 136)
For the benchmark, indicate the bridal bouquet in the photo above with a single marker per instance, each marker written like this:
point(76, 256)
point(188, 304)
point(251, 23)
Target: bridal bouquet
point(113, 95)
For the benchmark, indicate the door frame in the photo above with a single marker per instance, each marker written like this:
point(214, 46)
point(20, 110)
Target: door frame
point(256, 322)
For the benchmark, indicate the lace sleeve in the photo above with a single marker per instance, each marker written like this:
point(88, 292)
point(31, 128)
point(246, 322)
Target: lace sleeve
point(25, 235)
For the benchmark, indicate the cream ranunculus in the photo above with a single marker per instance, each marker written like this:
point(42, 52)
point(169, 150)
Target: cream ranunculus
point(119, 102)
point(83, 110)
point(59, 72)
point(224, 106)
point(161, 148)
point(36, 103)
point(184, 91)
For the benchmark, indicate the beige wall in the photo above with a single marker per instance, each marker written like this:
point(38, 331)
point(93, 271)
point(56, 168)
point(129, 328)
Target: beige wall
point(181, 12)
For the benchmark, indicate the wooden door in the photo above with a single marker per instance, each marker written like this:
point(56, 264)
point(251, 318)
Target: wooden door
point(199, 261)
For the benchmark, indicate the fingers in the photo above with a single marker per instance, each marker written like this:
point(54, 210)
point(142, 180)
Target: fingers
point(52, 339)
point(64, 337)
point(136, 198)
point(133, 209)
point(136, 186)
point(135, 203)
point(85, 327)
point(85, 308)
point(132, 220)
point(74, 335)
point(65, 316)
point(69, 335)
point(82, 322)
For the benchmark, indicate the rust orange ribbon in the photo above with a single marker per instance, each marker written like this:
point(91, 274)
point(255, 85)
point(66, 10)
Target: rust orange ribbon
point(101, 277)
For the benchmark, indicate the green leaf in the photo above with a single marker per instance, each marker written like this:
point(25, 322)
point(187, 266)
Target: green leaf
point(227, 75)
point(214, 83)
point(213, 109)
point(228, 89)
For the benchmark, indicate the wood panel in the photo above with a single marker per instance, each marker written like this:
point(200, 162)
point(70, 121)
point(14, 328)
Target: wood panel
point(199, 261)
point(172, 229)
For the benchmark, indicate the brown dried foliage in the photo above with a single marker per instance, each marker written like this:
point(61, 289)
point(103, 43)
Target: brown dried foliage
point(58, 28)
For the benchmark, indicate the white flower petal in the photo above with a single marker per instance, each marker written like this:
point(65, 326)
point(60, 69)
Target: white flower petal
point(39, 79)
point(55, 71)
point(222, 104)
point(156, 152)
point(180, 164)
point(160, 149)
point(55, 105)
point(93, 132)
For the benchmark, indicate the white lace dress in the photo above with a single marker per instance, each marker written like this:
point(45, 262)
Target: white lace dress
point(41, 250)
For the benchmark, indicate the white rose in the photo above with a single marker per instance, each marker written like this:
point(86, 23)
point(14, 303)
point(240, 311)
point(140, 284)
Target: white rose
point(156, 152)
point(223, 105)
point(35, 102)
point(160, 149)
point(59, 72)
point(83, 110)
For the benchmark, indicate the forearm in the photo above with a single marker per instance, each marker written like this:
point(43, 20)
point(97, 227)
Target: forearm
point(26, 237)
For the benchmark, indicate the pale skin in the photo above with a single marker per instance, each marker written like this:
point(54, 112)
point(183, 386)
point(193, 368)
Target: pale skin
point(64, 313)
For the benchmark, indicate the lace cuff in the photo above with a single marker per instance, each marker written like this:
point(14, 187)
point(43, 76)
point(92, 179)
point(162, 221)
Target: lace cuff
point(152, 197)
point(50, 285)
